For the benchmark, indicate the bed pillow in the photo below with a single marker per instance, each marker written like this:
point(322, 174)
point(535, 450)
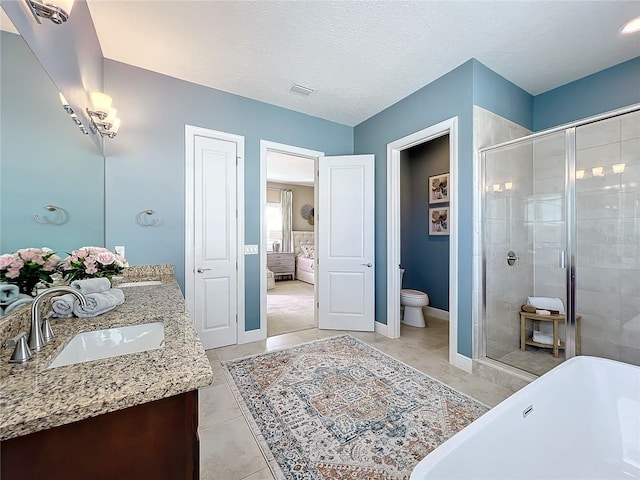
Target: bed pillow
point(308, 251)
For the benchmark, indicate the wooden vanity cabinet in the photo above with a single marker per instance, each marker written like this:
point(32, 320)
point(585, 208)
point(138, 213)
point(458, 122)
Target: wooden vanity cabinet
point(156, 440)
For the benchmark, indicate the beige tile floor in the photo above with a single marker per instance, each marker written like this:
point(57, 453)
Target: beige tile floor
point(228, 450)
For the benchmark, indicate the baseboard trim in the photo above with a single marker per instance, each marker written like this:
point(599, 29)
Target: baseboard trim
point(382, 329)
point(437, 313)
point(462, 362)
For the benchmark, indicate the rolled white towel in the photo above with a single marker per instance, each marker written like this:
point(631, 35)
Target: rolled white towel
point(62, 305)
point(92, 285)
point(8, 293)
point(99, 303)
point(23, 299)
point(546, 303)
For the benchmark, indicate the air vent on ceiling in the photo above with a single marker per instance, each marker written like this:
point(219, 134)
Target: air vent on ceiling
point(300, 90)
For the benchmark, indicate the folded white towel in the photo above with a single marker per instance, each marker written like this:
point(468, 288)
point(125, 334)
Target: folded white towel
point(92, 285)
point(23, 299)
point(546, 303)
point(543, 312)
point(66, 306)
point(546, 338)
point(8, 293)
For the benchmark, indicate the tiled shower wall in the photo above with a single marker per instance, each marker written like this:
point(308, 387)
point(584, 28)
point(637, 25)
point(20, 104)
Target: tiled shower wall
point(608, 237)
point(525, 212)
point(511, 173)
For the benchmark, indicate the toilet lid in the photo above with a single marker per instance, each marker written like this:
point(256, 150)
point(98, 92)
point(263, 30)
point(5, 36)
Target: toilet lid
point(412, 293)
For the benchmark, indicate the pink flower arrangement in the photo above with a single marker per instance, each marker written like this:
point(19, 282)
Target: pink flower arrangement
point(27, 267)
point(87, 262)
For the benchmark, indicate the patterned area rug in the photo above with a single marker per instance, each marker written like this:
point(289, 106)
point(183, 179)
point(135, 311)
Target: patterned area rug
point(340, 409)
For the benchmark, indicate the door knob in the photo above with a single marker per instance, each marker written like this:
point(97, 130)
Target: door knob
point(202, 270)
point(367, 264)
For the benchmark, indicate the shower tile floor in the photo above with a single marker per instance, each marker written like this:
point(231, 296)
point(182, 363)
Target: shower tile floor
point(533, 360)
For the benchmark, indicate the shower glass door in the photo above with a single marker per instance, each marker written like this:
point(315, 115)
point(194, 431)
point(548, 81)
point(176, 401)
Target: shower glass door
point(524, 241)
point(607, 189)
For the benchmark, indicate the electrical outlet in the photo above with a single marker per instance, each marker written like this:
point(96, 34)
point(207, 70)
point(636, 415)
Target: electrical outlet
point(251, 249)
point(120, 250)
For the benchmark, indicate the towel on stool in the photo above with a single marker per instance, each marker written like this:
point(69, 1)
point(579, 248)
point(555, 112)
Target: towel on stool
point(8, 293)
point(23, 299)
point(546, 303)
point(92, 285)
point(66, 306)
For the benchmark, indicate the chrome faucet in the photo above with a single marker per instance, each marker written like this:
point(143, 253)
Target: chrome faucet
point(40, 335)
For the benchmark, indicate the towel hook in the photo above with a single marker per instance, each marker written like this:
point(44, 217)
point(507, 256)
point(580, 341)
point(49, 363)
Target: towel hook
point(142, 221)
point(61, 216)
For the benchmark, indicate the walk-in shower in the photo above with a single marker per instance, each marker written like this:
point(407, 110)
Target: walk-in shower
point(560, 218)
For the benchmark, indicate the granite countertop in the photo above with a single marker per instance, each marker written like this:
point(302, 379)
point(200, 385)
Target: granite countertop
point(33, 398)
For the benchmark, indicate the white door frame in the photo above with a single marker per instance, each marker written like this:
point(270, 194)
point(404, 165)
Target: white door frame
point(190, 132)
point(290, 149)
point(449, 126)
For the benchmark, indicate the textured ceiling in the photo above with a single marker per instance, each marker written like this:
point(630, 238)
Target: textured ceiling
point(362, 56)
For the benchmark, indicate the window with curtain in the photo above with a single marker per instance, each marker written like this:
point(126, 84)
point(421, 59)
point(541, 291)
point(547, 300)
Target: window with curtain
point(274, 224)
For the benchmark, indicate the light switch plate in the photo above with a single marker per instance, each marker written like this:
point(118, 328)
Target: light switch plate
point(120, 250)
point(251, 249)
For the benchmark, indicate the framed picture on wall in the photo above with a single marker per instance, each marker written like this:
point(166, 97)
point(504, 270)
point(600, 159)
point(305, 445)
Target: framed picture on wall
point(439, 221)
point(439, 188)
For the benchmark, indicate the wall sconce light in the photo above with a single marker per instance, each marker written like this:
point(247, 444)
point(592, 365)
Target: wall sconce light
point(57, 11)
point(103, 117)
point(579, 174)
point(508, 185)
point(598, 171)
point(497, 187)
point(618, 167)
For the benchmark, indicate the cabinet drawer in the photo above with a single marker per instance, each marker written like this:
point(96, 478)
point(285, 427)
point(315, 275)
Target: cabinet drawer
point(281, 262)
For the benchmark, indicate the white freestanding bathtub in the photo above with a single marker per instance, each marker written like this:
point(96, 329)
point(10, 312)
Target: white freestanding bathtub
point(579, 421)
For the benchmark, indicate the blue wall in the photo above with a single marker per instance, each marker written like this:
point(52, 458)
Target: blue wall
point(145, 163)
point(45, 160)
point(615, 87)
point(449, 96)
point(495, 93)
point(424, 257)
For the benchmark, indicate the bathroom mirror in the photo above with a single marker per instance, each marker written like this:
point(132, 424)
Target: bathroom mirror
point(45, 161)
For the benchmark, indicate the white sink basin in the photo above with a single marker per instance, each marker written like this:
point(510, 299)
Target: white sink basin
point(112, 342)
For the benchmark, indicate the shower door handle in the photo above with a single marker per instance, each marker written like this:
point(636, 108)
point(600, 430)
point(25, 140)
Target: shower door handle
point(562, 260)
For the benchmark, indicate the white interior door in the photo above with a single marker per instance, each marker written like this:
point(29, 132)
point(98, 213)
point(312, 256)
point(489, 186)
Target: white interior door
point(345, 226)
point(215, 240)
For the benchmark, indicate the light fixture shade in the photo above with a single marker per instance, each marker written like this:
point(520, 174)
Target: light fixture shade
point(65, 5)
point(579, 174)
point(598, 171)
point(100, 102)
point(115, 126)
point(508, 185)
point(111, 116)
point(619, 167)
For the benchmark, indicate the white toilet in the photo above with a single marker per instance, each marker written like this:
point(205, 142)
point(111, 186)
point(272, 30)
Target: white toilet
point(413, 301)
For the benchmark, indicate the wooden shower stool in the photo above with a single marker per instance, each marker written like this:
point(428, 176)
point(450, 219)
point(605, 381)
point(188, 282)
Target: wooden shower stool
point(556, 319)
